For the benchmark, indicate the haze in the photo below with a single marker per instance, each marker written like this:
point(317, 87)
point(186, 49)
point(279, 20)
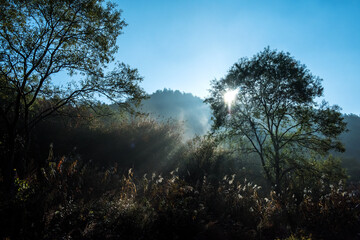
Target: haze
point(182, 45)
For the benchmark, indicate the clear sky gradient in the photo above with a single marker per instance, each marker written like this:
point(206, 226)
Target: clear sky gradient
point(184, 44)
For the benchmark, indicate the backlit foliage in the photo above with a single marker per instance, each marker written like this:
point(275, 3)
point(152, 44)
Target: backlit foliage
point(73, 200)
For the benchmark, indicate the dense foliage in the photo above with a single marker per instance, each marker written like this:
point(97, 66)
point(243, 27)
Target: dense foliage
point(72, 200)
point(275, 115)
point(41, 38)
point(199, 189)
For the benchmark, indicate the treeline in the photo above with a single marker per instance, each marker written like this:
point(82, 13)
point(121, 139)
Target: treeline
point(351, 139)
point(188, 110)
point(195, 116)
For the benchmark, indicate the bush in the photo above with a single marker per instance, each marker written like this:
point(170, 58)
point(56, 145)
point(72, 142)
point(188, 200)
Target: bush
point(140, 143)
point(69, 199)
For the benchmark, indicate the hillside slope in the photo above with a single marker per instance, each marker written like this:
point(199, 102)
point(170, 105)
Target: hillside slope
point(185, 108)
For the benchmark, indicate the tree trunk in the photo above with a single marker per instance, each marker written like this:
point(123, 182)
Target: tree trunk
point(277, 171)
point(8, 167)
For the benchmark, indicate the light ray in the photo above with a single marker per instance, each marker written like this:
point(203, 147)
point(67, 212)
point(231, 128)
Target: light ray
point(230, 97)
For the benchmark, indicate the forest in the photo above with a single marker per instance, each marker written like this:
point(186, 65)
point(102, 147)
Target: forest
point(97, 157)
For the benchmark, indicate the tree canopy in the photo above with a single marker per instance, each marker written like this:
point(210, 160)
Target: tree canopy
point(40, 38)
point(275, 113)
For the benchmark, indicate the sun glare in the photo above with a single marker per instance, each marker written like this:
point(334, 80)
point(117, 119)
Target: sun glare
point(230, 96)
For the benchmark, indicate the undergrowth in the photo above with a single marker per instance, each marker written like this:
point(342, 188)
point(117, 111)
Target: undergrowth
point(71, 200)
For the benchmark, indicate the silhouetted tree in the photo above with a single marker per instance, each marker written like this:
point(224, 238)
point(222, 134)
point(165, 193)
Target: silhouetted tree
point(275, 113)
point(39, 38)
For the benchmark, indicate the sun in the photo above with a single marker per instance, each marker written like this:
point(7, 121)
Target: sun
point(230, 96)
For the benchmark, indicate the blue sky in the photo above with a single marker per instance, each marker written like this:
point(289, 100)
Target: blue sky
point(185, 44)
